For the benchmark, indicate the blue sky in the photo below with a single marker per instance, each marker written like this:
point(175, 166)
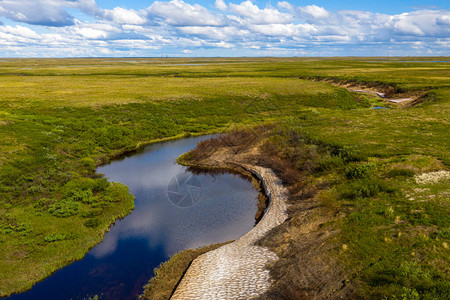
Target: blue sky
point(128, 28)
point(379, 6)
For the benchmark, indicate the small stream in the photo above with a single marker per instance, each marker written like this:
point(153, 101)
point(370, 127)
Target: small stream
point(175, 210)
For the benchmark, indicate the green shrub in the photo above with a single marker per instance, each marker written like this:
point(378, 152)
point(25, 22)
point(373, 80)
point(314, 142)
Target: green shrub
point(360, 171)
point(79, 184)
point(117, 192)
point(92, 213)
point(92, 223)
point(6, 230)
point(85, 196)
point(21, 228)
point(64, 209)
point(88, 164)
point(443, 233)
point(36, 189)
point(409, 294)
point(365, 188)
point(408, 280)
point(42, 204)
point(364, 102)
point(50, 238)
point(330, 163)
point(347, 153)
point(101, 184)
point(400, 172)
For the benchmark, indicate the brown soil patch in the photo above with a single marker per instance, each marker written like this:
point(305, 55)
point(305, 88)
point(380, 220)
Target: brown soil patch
point(385, 92)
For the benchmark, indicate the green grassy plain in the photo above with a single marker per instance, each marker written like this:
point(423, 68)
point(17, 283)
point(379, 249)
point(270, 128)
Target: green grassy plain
point(61, 118)
point(387, 196)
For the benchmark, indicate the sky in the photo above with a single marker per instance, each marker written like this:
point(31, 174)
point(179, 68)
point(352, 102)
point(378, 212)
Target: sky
point(198, 28)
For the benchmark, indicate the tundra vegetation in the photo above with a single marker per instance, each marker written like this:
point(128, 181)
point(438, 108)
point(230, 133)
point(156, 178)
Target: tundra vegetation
point(380, 175)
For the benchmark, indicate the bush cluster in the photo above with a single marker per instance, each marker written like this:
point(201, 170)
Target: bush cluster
point(50, 238)
point(64, 209)
point(360, 171)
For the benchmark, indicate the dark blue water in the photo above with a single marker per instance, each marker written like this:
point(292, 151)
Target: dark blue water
point(213, 209)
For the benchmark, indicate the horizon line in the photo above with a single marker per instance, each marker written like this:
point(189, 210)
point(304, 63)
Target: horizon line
point(231, 57)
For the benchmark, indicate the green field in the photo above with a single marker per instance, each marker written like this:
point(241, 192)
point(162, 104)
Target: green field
point(59, 119)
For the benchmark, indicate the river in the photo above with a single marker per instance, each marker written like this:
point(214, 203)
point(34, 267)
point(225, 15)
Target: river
point(175, 210)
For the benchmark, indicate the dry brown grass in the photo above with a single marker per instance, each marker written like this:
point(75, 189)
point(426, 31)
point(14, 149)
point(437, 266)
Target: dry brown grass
point(306, 268)
point(235, 140)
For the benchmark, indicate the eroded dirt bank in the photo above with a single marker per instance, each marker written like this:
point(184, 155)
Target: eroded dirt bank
point(387, 93)
point(286, 256)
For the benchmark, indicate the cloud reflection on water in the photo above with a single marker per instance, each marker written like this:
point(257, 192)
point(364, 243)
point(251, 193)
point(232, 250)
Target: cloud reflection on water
point(219, 215)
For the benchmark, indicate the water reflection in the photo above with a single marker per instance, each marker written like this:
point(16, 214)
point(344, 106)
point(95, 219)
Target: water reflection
point(118, 267)
point(158, 221)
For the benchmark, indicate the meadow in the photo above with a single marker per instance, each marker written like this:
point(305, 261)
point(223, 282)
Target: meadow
point(60, 118)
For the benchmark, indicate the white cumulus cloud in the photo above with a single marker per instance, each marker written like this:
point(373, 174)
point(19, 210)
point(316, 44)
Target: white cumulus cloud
point(124, 16)
point(423, 23)
point(285, 5)
point(254, 15)
point(220, 4)
point(314, 11)
point(37, 12)
point(179, 13)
